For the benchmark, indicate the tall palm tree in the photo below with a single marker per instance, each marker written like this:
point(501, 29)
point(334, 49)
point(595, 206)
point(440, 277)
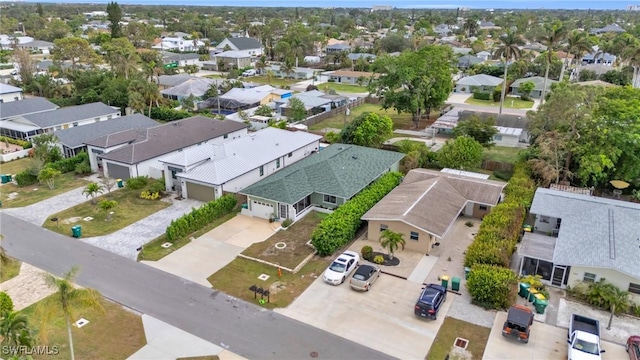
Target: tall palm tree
point(578, 44)
point(92, 190)
point(617, 300)
point(554, 34)
point(136, 102)
point(392, 241)
point(508, 50)
point(270, 75)
point(69, 298)
point(470, 27)
point(14, 329)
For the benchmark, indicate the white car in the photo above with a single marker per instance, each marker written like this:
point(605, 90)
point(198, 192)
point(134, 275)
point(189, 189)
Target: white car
point(341, 267)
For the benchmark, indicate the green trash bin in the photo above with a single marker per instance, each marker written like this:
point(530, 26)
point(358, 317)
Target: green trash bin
point(245, 205)
point(467, 270)
point(9, 177)
point(445, 281)
point(541, 305)
point(76, 231)
point(455, 284)
point(4, 178)
point(524, 290)
point(532, 294)
point(120, 183)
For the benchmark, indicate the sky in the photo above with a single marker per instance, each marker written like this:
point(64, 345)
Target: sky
point(416, 4)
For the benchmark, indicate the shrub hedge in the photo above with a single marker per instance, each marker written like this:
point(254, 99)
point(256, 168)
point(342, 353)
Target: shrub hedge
point(137, 183)
point(26, 178)
point(200, 217)
point(492, 287)
point(481, 95)
point(337, 229)
point(69, 164)
point(23, 143)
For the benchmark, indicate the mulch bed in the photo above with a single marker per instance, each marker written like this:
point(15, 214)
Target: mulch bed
point(387, 261)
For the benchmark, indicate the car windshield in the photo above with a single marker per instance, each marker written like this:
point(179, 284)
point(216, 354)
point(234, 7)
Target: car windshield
point(359, 277)
point(586, 346)
point(337, 267)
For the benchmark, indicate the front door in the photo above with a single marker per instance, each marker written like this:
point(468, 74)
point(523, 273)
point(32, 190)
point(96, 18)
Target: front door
point(558, 278)
point(283, 211)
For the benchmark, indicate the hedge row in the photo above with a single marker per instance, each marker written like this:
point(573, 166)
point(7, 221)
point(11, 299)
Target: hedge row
point(69, 164)
point(337, 229)
point(200, 217)
point(23, 143)
point(77, 163)
point(495, 287)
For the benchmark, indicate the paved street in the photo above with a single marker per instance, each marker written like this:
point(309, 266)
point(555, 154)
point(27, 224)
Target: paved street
point(238, 326)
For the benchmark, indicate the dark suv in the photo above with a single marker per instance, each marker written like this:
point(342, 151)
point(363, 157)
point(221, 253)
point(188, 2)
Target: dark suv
point(430, 301)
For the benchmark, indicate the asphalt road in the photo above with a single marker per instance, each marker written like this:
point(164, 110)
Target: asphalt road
point(241, 327)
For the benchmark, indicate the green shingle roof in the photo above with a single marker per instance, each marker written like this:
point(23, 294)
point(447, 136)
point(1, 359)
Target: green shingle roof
point(339, 170)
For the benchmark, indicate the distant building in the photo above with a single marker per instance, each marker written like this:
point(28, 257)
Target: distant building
point(633, 7)
point(381, 8)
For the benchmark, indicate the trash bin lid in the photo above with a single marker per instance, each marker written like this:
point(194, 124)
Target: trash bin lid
point(543, 302)
point(455, 279)
point(539, 297)
point(444, 277)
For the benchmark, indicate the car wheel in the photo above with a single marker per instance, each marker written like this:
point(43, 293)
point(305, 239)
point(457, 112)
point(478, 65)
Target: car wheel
point(343, 279)
point(626, 347)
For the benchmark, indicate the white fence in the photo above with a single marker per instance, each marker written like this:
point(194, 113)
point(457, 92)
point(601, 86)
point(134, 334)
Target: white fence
point(14, 155)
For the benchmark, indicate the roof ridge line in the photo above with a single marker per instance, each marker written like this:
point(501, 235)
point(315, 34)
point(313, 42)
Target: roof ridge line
point(420, 198)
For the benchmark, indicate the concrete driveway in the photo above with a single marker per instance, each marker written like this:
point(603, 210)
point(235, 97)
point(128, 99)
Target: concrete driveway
point(546, 342)
point(381, 319)
point(210, 252)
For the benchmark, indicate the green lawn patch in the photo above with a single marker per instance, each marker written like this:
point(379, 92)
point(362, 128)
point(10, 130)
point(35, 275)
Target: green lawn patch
point(501, 154)
point(346, 88)
point(275, 81)
point(453, 328)
point(236, 278)
point(131, 208)
point(510, 102)
point(37, 192)
point(153, 251)
point(9, 268)
point(214, 76)
point(16, 166)
point(295, 237)
point(113, 334)
point(400, 121)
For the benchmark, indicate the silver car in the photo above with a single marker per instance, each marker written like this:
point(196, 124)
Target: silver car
point(364, 277)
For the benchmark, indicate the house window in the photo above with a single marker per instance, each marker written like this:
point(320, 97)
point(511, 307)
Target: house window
point(261, 170)
point(634, 288)
point(482, 208)
point(589, 277)
point(173, 174)
point(558, 222)
point(225, 136)
point(415, 236)
point(75, 124)
point(278, 163)
point(497, 137)
point(330, 199)
point(290, 154)
point(383, 227)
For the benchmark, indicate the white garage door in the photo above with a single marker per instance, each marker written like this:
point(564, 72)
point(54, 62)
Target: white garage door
point(261, 209)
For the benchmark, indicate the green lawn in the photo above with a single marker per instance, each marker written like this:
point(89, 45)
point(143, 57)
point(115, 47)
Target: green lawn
point(453, 328)
point(400, 121)
point(345, 88)
point(15, 166)
point(153, 251)
point(131, 208)
point(9, 268)
point(215, 76)
point(502, 154)
point(509, 102)
point(236, 278)
point(113, 334)
point(275, 81)
point(35, 193)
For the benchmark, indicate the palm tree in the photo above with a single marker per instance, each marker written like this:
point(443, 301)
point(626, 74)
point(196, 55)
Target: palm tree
point(554, 34)
point(69, 298)
point(14, 329)
point(470, 26)
point(632, 55)
point(578, 44)
point(270, 75)
point(508, 50)
point(617, 300)
point(261, 64)
point(392, 241)
point(107, 206)
point(286, 68)
point(136, 102)
point(92, 190)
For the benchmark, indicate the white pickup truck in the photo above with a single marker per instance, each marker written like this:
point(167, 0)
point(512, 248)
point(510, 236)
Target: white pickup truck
point(584, 339)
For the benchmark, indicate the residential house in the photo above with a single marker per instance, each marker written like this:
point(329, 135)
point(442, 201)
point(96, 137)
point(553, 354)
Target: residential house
point(350, 77)
point(582, 238)
point(9, 93)
point(178, 43)
point(356, 56)
point(337, 48)
point(512, 129)
point(315, 102)
point(488, 25)
point(484, 55)
point(598, 57)
point(427, 203)
point(442, 30)
point(467, 61)
point(612, 28)
point(179, 60)
point(461, 50)
point(312, 59)
point(301, 73)
point(537, 90)
point(597, 69)
point(196, 86)
point(226, 60)
point(38, 46)
point(132, 153)
point(72, 140)
point(480, 82)
point(207, 172)
point(249, 45)
point(9, 41)
point(169, 81)
point(326, 179)
point(536, 46)
point(245, 98)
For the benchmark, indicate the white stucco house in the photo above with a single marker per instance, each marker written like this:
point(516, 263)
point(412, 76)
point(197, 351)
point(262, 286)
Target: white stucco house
point(9, 93)
point(207, 172)
point(249, 45)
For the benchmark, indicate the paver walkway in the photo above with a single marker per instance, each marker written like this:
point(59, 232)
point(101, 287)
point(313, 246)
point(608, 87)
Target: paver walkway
point(27, 288)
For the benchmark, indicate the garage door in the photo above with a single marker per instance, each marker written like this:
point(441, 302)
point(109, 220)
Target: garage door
point(200, 192)
point(261, 209)
point(118, 171)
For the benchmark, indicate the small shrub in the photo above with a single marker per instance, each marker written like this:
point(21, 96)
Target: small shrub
point(6, 304)
point(157, 186)
point(26, 178)
point(378, 259)
point(138, 182)
point(492, 287)
point(83, 168)
point(497, 94)
point(480, 95)
point(503, 175)
point(367, 252)
point(69, 164)
point(148, 195)
point(286, 223)
point(469, 224)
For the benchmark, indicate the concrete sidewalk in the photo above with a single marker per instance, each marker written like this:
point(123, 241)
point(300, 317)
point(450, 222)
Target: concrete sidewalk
point(28, 287)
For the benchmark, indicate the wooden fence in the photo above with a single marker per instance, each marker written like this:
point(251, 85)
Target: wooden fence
point(312, 120)
point(497, 165)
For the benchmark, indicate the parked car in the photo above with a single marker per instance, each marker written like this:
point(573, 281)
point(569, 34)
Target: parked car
point(341, 267)
point(633, 347)
point(584, 338)
point(364, 277)
point(249, 73)
point(430, 301)
point(518, 324)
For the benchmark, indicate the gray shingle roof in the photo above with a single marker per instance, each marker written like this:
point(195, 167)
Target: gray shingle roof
point(339, 170)
point(166, 138)
point(480, 80)
point(196, 87)
point(8, 89)
point(245, 43)
point(173, 80)
point(595, 232)
point(71, 114)
point(431, 200)
point(504, 120)
point(537, 80)
point(25, 106)
point(76, 136)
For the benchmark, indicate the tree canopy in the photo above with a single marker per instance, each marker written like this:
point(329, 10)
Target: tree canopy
point(480, 130)
point(463, 153)
point(368, 129)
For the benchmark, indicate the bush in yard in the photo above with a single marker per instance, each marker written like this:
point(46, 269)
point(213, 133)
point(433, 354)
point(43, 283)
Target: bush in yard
point(23, 143)
point(69, 164)
point(481, 95)
point(26, 178)
point(337, 229)
point(148, 195)
point(492, 287)
point(6, 304)
point(200, 217)
point(83, 168)
point(157, 186)
point(379, 259)
point(286, 223)
point(138, 182)
point(367, 252)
